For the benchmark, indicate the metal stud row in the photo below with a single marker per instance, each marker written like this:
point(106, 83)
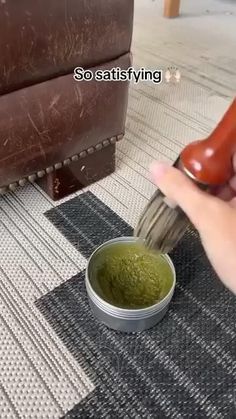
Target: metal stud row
point(32, 178)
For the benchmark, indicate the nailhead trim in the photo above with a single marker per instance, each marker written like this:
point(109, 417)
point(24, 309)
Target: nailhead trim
point(120, 137)
point(13, 186)
point(3, 190)
point(106, 143)
point(41, 173)
point(66, 162)
point(98, 147)
point(22, 182)
point(113, 140)
point(32, 178)
point(50, 169)
point(58, 166)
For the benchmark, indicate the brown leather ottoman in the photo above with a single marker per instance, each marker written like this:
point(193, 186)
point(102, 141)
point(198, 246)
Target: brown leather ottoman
point(54, 130)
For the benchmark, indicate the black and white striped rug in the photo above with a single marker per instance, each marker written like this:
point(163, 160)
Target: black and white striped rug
point(184, 367)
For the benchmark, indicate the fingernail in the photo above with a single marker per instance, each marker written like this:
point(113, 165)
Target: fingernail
point(158, 170)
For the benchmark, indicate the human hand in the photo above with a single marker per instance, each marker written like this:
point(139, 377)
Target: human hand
point(214, 216)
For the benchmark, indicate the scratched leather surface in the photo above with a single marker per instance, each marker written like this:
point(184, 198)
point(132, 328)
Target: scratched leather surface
point(41, 39)
point(45, 123)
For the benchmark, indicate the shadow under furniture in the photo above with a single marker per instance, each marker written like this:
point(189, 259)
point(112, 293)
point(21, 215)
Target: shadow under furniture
point(54, 130)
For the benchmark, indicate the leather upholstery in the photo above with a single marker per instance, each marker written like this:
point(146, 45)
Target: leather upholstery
point(45, 115)
point(41, 39)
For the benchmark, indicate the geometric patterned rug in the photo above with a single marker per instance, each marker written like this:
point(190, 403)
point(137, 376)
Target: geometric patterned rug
point(185, 367)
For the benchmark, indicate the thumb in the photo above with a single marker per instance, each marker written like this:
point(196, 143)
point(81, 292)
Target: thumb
point(176, 186)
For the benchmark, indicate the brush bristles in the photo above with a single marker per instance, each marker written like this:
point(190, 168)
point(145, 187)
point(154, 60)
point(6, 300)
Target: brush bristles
point(161, 226)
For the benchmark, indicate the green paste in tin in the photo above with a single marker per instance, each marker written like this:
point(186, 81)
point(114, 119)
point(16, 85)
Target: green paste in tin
point(128, 275)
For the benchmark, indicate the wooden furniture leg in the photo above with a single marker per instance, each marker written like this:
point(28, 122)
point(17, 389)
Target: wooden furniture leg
point(171, 8)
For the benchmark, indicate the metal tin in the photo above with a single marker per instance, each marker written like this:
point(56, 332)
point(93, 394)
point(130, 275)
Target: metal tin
point(126, 320)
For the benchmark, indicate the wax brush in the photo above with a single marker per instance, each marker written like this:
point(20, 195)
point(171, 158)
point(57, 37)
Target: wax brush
point(208, 163)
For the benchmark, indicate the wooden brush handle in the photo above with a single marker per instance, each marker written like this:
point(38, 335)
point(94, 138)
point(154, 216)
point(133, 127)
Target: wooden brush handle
point(209, 161)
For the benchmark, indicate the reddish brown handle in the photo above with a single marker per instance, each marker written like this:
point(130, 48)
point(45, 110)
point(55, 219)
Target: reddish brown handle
point(210, 160)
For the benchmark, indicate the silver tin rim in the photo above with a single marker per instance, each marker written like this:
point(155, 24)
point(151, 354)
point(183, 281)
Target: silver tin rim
point(127, 314)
